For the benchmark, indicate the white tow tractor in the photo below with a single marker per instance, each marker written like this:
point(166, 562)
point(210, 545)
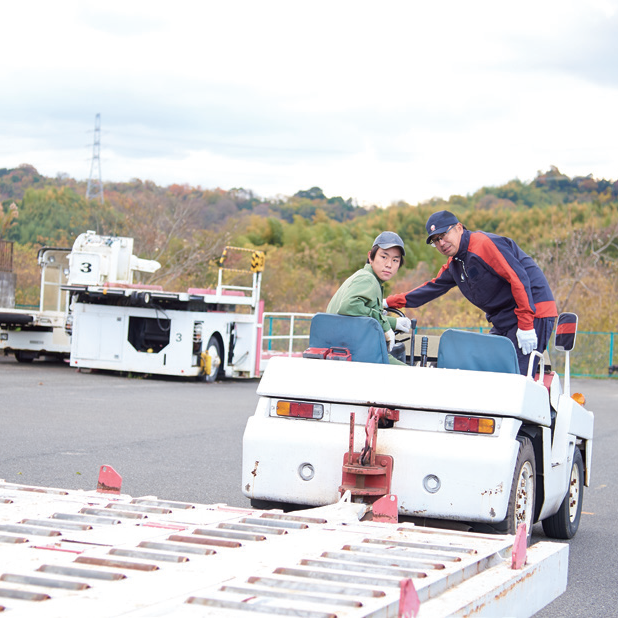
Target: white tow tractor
point(122, 326)
point(463, 438)
point(30, 334)
point(72, 553)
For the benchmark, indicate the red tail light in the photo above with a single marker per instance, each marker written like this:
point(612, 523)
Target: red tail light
point(470, 424)
point(299, 409)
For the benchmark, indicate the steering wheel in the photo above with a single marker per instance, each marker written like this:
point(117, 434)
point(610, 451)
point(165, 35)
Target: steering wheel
point(402, 336)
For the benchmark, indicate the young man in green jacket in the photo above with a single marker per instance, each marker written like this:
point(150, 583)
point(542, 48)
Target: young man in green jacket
point(362, 294)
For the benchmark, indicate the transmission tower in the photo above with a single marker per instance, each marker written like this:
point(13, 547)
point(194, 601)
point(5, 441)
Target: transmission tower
point(95, 184)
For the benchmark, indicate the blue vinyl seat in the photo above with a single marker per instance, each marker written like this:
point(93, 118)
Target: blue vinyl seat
point(363, 336)
point(460, 349)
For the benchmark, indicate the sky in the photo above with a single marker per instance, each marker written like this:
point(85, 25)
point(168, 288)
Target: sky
point(376, 101)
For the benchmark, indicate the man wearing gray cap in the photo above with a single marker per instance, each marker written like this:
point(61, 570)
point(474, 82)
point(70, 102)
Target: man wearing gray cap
point(494, 274)
point(362, 293)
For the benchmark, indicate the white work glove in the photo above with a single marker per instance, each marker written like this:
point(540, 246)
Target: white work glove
point(403, 325)
point(390, 339)
point(527, 340)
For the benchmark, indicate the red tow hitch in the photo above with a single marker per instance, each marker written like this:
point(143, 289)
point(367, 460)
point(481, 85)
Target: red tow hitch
point(368, 474)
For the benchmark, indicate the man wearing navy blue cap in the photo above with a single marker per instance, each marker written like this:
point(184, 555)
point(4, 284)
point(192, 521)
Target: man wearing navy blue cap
point(494, 274)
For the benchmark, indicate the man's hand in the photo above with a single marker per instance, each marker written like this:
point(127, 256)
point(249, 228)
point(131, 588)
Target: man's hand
point(390, 339)
point(527, 340)
point(403, 325)
point(396, 301)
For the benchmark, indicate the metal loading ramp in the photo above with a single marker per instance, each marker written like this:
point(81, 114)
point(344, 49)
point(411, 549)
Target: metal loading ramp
point(70, 553)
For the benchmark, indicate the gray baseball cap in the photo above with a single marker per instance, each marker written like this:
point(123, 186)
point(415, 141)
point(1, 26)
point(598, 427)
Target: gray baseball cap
point(386, 240)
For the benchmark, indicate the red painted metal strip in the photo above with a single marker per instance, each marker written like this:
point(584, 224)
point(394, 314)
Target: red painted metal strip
point(520, 547)
point(385, 509)
point(409, 603)
point(566, 328)
point(110, 481)
point(56, 548)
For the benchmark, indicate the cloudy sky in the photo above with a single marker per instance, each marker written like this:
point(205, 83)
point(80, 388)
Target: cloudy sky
point(377, 101)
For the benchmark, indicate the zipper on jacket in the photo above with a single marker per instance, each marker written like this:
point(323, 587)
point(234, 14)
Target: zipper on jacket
point(463, 265)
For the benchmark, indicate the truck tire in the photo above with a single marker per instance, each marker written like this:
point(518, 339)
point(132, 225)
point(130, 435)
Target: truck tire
point(564, 523)
point(24, 357)
point(523, 491)
point(214, 350)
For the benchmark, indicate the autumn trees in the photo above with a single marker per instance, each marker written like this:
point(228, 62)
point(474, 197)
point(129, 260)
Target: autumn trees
point(313, 242)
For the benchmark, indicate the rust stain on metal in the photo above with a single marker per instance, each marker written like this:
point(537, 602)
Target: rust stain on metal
point(479, 610)
point(254, 471)
point(490, 492)
point(197, 540)
point(106, 489)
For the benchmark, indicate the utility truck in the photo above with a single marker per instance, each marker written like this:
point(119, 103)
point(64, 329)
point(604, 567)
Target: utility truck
point(118, 325)
point(460, 435)
point(30, 334)
point(45, 332)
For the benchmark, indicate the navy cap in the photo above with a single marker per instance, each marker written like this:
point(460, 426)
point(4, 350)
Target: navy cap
point(386, 240)
point(439, 223)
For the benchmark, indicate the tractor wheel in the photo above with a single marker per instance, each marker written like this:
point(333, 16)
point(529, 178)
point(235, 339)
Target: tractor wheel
point(213, 349)
point(523, 491)
point(564, 523)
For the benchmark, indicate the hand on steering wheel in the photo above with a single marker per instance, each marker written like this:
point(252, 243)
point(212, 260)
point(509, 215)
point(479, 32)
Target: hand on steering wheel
point(403, 325)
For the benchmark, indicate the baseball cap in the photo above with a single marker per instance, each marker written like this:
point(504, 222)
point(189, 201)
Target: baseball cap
point(386, 240)
point(439, 223)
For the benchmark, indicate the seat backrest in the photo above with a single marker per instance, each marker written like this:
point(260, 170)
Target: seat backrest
point(461, 349)
point(363, 336)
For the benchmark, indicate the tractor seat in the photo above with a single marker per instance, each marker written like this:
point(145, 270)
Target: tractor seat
point(461, 349)
point(362, 336)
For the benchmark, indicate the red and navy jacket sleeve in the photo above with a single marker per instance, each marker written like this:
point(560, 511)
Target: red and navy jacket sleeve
point(494, 274)
point(422, 294)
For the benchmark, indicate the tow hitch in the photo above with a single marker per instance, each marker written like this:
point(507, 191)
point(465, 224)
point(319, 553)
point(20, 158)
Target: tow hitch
point(366, 474)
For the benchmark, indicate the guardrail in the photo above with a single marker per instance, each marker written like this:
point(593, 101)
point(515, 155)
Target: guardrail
point(284, 334)
point(287, 334)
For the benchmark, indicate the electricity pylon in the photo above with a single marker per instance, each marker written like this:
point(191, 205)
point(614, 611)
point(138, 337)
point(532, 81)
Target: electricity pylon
point(95, 184)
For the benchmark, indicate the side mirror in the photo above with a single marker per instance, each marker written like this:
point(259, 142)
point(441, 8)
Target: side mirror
point(566, 331)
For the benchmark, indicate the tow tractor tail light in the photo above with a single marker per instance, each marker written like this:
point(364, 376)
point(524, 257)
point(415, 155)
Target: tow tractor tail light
point(299, 409)
point(470, 424)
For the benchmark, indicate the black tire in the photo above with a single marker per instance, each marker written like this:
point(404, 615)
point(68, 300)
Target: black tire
point(564, 523)
point(214, 350)
point(523, 491)
point(24, 357)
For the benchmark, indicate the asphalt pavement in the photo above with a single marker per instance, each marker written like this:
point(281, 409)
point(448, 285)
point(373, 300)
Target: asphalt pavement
point(179, 439)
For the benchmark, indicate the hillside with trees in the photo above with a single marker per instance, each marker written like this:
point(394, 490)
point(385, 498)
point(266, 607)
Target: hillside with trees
point(313, 242)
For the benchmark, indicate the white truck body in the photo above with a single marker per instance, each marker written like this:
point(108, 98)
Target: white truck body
point(121, 326)
point(71, 553)
point(437, 473)
point(93, 259)
point(31, 334)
